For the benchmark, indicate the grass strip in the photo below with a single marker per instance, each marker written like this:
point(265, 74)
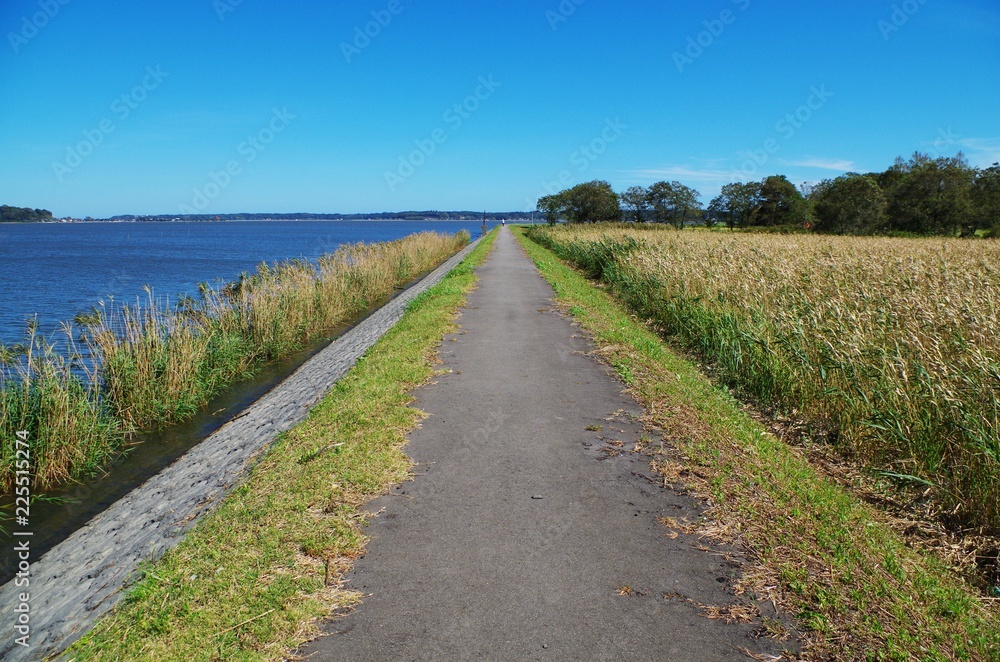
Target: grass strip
point(254, 576)
point(855, 588)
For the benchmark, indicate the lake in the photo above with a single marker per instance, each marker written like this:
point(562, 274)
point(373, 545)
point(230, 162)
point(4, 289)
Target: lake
point(56, 270)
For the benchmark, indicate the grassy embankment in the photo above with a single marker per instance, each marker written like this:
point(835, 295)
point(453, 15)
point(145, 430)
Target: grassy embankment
point(251, 578)
point(150, 367)
point(855, 586)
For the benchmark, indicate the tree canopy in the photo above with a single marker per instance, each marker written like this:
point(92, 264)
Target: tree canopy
point(590, 202)
point(672, 202)
point(923, 195)
point(849, 204)
point(23, 214)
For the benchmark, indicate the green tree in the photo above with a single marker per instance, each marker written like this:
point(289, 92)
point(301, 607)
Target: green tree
point(552, 207)
point(738, 203)
point(850, 204)
point(635, 201)
point(780, 203)
point(591, 202)
point(986, 200)
point(931, 196)
point(715, 213)
point(24, 214)
point(672, 202)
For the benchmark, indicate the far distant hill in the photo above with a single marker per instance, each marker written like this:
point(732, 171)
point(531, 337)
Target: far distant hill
point(382, 216)
point(23, 214)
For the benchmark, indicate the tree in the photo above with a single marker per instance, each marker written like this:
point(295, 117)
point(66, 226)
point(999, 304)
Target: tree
point(552, 207)
point(591, 202)
point(671, 202)
point(850, 204)
point(24, 214)
point(685, 203)
point(715, 212)
point(738, 203)
point(635, 201)
point(986, 200)
point(931, 196)
point(780, 203)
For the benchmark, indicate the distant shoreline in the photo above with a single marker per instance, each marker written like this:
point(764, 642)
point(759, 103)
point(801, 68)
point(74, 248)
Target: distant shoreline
point(490, 217)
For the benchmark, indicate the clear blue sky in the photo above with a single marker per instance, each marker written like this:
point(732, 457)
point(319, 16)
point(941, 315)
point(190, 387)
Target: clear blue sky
point(140, 107)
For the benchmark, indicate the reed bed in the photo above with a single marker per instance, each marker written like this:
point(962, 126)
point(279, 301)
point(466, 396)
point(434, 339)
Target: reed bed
point(150, 365)
point(892, 345)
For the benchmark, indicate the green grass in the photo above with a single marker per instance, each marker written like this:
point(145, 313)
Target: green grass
point(248, 583)
point(856, 589)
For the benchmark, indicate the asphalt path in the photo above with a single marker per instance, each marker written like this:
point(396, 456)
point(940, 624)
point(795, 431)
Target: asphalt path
point(528, 532)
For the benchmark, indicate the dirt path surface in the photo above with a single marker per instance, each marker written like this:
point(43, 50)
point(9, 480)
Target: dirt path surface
point(525, 535)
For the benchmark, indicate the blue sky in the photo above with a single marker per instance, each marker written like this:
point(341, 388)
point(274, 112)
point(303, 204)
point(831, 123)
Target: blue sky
point(217, 106)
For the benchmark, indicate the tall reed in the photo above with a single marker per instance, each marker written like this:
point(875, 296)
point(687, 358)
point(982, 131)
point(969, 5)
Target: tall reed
point(891, 343)
point(48, 395)
point(149, 365)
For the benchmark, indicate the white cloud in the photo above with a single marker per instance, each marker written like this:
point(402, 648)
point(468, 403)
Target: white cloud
point(824, 164)
point(683, 173)
point(982, 152)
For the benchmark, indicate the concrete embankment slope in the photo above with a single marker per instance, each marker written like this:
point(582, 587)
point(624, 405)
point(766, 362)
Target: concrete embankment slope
point(81, 578)
point(530, 531)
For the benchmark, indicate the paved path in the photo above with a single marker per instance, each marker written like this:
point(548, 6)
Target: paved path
point(81, 578)
point(519, 531)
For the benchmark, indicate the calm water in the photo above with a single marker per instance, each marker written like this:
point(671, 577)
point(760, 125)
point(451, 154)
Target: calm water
point(55, 271)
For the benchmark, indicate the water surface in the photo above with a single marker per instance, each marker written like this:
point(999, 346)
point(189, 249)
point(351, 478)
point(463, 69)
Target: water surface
point(56, 270)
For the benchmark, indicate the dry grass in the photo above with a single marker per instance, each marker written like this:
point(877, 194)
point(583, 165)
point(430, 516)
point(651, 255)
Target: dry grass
point(891, 344)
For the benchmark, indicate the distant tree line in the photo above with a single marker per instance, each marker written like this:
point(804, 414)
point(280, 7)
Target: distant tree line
point(924, 195)
point(919, 196)
point(23, 214)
